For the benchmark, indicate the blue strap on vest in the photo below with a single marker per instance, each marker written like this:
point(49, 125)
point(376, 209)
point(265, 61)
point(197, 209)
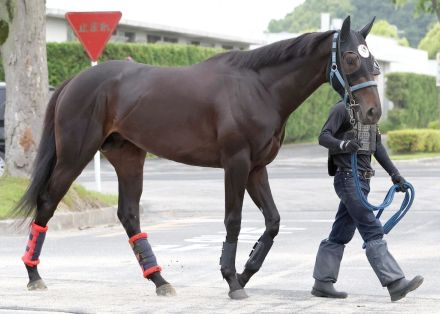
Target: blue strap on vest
point(406, 204)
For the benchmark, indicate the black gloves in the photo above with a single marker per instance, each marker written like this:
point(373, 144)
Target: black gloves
point(398, 179)
point(351, 146)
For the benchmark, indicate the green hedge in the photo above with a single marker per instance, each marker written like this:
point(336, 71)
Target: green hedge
point(414, 141)
point(68, 59)
point(434, 125)
point(306, 122)
point(415, 100)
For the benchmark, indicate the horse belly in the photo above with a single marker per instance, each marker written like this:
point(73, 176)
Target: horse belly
point(179, 136)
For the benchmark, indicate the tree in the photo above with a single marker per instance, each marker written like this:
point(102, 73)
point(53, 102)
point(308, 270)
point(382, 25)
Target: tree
point(385, 29)
point(431, 42)
point(306, 16)
point(23, 54)
point(428, 6)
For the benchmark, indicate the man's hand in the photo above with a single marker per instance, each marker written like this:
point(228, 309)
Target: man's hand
point(398, 179)
point(350, 146)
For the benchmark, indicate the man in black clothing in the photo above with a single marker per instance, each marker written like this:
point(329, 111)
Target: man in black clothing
point(342, 139)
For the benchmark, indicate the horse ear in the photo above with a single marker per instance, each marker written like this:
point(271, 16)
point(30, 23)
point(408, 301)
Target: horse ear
point(367, 28)
point(345, 29)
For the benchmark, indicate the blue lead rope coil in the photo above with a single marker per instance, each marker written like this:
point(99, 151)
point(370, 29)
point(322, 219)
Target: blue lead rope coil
point(406, 204)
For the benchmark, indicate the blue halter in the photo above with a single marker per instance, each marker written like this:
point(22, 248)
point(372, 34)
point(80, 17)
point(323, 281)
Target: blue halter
point(341, 78)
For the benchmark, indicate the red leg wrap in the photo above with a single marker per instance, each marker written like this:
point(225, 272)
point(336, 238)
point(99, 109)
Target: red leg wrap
point(138, 236)
point(149, 271)
point(34, 245)
point(144, 254)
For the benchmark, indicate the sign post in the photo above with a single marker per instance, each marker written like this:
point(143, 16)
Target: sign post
point(93, 30)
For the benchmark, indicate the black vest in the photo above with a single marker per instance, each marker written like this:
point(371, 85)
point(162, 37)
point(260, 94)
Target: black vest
point(366, 135)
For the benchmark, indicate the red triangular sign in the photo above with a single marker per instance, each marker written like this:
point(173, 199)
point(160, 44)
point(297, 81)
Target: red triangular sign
point(93, 29)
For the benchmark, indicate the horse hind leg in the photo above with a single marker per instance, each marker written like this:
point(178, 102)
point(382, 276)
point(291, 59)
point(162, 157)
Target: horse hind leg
point(70, 162)
point(128, 161)
point(61, 179)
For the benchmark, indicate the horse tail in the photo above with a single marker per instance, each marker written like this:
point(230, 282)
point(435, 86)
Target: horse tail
point(44, 162)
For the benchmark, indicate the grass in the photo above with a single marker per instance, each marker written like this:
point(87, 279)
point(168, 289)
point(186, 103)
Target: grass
point(78, 198)
point(412, 156)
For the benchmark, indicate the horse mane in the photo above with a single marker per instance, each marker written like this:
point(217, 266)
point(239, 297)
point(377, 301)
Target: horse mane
point(275, 53)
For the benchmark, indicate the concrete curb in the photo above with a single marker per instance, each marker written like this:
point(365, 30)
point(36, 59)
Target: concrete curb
point(65, 220)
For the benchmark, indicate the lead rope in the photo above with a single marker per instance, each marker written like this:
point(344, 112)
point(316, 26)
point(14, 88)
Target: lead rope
point(406, 204)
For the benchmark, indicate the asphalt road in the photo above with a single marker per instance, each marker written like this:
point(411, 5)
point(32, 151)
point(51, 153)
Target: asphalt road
point(94, 270)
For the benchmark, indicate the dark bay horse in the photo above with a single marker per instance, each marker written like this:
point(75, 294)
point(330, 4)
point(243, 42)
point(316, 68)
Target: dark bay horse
point(229, 112)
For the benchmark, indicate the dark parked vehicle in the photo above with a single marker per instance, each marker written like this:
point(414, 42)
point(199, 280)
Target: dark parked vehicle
point(2, 126)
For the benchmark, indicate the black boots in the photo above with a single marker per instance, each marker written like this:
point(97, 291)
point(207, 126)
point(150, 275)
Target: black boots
point(383, 263)
point(388, 271)
point(401, 287)
point(325, 289)
point(328, 261)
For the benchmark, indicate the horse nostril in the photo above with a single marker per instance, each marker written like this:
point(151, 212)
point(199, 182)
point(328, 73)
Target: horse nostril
point(371, 113)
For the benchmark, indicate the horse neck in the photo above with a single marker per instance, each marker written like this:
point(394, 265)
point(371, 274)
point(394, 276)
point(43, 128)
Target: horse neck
point(291, 83)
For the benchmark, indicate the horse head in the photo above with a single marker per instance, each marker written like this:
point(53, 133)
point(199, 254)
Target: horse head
point(357, 68)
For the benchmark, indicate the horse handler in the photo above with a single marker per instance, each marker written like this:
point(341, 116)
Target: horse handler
point(342, 139)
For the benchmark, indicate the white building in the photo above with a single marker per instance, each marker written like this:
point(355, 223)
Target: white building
point(58, 30)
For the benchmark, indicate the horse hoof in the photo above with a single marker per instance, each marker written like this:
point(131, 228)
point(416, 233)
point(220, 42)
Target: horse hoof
point(37, 285)
point(166, 290)
point(239, 294)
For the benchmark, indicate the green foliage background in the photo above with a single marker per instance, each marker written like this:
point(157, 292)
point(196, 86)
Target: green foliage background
point(414, 141)
point(306, 17)
point(431, 42)
point(67, 59)
point(306, 122)
point(415, 100)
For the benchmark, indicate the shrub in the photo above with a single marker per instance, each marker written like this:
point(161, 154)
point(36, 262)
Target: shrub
point(306, 122)
point(415, 100)
point(434, 125)
point(67, 59)
point(414, 141)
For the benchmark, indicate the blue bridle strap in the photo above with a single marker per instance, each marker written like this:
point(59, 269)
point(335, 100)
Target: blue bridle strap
point(363, 85)
point(334, 72)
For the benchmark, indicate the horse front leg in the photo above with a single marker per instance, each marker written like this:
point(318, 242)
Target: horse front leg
point(236, 174)
point(259, 190)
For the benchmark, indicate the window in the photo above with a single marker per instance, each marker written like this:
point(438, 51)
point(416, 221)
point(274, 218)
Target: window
point(153, 39)
point(195, 43)
point(170, 40)
point(227, 47)
point(129, 36)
